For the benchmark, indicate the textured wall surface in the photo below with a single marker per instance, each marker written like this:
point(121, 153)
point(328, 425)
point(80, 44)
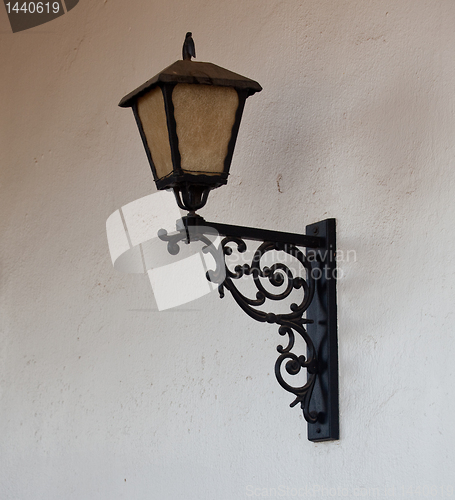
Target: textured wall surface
point(102, 396)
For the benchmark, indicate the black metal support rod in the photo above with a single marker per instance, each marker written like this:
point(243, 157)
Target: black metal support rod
point(251, 233)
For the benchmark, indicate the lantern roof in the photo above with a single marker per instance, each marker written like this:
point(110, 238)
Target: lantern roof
point(187, 71)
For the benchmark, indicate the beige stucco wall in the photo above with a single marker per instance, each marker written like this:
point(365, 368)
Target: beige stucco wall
point(103, 397)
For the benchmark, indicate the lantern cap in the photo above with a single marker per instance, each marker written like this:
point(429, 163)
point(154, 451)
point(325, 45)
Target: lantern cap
point(188, 71)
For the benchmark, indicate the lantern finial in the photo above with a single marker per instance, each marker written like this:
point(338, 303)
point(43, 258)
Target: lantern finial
point(188, 50)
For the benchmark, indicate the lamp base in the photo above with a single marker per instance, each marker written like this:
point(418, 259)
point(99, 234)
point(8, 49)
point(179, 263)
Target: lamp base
point(191, 197)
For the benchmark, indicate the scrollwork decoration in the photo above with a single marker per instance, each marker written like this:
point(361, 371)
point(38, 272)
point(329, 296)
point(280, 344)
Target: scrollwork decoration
point(278, 275)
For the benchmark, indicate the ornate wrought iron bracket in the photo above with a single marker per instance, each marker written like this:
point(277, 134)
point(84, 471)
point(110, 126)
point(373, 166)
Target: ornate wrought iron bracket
point(313, 318)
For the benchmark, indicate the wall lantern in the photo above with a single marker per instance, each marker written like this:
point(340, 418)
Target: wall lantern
point(188, 117)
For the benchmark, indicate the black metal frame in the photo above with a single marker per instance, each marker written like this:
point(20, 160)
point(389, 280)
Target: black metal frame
point(318, 397)
point(191, 189)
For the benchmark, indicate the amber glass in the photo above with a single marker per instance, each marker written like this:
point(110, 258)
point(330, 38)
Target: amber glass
point(150, 108)
point(205, 115)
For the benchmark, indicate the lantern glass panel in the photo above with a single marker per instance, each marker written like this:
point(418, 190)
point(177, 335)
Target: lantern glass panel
point(151, 111)
point(204, 115)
